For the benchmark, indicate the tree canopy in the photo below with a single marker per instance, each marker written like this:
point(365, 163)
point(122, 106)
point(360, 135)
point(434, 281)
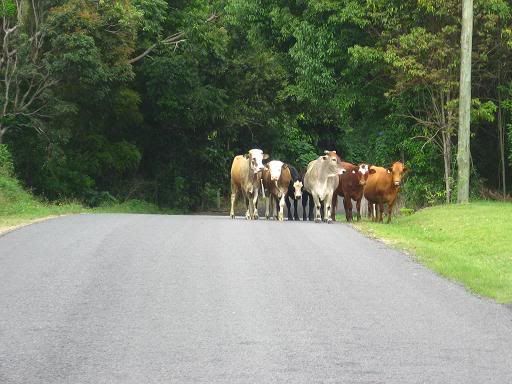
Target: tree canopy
point(153, 98)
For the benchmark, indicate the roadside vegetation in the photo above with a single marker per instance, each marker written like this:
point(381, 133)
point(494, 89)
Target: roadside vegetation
point(18, 206)
point(191, 84)
point(466, 243)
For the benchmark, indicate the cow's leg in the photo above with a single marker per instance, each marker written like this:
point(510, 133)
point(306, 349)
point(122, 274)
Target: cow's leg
point(288, 206)
point(358, 208)
point(334, 205)
point(347, 218)
point(311, 208)
point(305, 197)
point(234, 190)
point(267, 206)
point(348, 207)
point(318, 207)
point(381, 211)
point(281, 207)
point(248, 202)
point(328, 209)
point(278, 210)
point(295, 212)
point(245, 197)
point(390, 209)
point(256, 214)
point(373, 211)
point(254, 200)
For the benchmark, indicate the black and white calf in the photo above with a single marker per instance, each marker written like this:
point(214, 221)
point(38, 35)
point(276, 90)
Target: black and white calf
point(294, 193)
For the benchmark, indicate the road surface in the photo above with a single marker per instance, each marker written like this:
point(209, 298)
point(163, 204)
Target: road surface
point(195, 299)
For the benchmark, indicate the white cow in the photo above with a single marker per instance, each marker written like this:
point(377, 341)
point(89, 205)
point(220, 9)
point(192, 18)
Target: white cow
point(321, 180)
point(276, 181)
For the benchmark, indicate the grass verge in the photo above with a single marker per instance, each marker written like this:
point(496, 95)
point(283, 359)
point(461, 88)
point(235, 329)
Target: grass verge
point(467, 243)
point(19, 207)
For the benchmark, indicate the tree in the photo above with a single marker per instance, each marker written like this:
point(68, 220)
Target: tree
point(418, 45)
point(463, 152)
point(491, 76)
point(26, 82)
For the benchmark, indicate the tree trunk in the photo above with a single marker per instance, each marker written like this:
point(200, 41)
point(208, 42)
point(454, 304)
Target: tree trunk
point(501, 140)
point(463, 150)
point(447, 157)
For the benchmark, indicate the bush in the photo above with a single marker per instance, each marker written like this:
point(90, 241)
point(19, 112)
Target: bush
point(6, 162)
point(96, 199)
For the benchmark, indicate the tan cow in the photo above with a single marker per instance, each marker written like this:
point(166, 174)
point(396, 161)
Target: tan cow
point(382, 187)
point(321, 180)
point(276, 181)
point(245, 180)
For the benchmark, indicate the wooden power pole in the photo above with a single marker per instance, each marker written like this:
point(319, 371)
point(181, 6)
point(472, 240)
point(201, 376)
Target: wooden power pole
point(463, 150)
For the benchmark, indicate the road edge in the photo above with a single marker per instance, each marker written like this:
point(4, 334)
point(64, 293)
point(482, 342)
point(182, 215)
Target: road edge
point(6, 230)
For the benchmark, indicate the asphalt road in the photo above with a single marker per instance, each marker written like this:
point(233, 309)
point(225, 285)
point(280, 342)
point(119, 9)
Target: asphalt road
point(194, 299)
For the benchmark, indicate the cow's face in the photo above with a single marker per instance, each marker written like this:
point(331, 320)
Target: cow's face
point(397, 171)
point(275, 167)
point(297, 189)
point(363, 172)
point(333, 163)
point(256, 157)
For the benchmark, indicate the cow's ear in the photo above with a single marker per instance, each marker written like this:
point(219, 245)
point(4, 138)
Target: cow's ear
point(246, 155)
point(265, 156)
point(389, 170)
point(326, 151)
point(354, 172)
point(405, 169)
point(285, 166)
point(372, 171)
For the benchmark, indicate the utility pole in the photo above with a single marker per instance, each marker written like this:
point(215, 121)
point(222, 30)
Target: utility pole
point(463, 149)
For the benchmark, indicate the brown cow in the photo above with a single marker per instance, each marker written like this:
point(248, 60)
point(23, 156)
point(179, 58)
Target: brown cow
point(276, 180)
point(351, 187)
point(382, 187)
point(245, 179)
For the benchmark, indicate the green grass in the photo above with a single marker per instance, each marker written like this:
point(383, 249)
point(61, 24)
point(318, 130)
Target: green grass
point(18, 206)
point(468, 243)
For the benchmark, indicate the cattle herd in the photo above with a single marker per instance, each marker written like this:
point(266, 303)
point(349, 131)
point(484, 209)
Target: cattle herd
point(318, 186)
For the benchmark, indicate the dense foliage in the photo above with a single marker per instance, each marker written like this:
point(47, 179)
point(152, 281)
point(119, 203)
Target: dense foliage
point(151, 99)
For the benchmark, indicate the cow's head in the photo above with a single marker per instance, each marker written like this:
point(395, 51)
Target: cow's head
point(256, 157)
point(275, 167)
point(397, 171)
point(297, 189)
point(363, 172)
point(333, 163)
